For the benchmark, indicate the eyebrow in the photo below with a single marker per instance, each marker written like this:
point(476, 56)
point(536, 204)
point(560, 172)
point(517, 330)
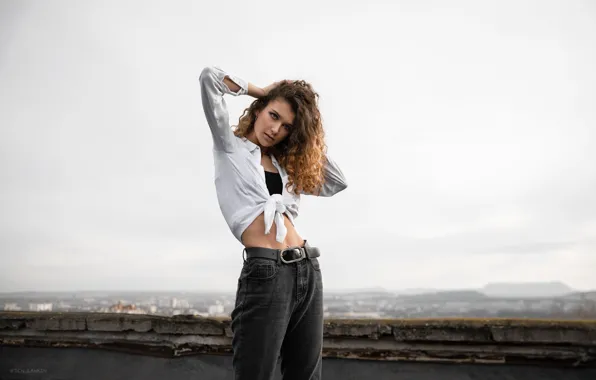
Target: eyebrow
point(277, 113)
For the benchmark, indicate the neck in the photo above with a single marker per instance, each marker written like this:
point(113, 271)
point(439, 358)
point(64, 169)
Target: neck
point(252, 138)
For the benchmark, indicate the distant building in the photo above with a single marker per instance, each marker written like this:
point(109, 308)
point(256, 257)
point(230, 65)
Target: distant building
point(164, 302)
point(129, 309)
point(40, 306)
point(217, 309)
point(361, 314)
point(12, 307)
point(180, 304)
point(197, 313)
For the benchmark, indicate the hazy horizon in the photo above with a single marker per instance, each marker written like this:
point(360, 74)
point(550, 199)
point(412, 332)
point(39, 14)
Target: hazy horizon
point(526, 285)
point(466, 132)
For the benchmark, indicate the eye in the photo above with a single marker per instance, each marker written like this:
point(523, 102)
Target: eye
point(274, 116)
point(287, 127)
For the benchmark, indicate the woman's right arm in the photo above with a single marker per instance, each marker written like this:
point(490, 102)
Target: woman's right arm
point(252, 90)
point(214, 84)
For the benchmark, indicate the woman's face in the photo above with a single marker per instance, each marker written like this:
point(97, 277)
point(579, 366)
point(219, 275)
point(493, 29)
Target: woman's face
point(273, 123)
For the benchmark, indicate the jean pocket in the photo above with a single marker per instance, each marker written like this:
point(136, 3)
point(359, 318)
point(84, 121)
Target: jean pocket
point(260, 269)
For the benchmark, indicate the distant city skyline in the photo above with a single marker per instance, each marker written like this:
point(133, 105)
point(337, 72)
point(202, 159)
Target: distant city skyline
point(465, 130)
point(546, 300)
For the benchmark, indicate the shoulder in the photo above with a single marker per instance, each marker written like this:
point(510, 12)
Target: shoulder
point(240, 147)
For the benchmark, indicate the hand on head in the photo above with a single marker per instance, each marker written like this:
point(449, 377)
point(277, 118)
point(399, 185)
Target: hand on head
point(273, 85)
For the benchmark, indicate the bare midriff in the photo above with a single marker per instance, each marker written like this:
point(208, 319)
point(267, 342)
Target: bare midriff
point(254, 235)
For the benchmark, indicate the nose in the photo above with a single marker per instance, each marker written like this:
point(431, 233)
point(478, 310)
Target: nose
point(275, 128)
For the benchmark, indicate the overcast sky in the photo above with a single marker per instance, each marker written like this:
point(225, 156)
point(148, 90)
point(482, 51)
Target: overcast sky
point(466, 131)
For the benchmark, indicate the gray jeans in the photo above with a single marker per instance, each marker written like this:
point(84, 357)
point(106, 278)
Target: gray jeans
point(278, 311)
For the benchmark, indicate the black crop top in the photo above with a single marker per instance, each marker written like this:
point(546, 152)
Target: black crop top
point(274, 183)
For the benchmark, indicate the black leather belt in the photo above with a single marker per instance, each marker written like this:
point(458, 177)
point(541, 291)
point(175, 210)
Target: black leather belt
point(287, 256)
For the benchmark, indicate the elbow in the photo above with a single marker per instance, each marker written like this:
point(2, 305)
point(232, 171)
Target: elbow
point(330, 190)
point(207, 75)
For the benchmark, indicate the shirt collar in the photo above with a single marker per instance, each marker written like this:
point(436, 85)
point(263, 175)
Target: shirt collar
point(252, 147)
point(249, 144)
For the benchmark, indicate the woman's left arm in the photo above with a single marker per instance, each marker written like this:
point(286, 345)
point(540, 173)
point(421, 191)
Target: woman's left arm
point(334, 179)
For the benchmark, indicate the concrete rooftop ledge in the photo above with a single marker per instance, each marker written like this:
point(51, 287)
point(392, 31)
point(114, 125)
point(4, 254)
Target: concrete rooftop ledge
point(498, 341)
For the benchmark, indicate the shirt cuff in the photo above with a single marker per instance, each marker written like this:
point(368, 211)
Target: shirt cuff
point(221, 74)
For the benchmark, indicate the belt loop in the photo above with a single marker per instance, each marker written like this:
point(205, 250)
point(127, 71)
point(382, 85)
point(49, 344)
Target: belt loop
point(279, 251)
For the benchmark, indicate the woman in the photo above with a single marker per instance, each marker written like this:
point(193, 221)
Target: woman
point(275, 154)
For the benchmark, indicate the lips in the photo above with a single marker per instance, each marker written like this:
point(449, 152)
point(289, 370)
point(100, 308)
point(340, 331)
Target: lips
point(269, 137)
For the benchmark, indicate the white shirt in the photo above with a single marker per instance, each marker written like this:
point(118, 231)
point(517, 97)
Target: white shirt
point(239, 176)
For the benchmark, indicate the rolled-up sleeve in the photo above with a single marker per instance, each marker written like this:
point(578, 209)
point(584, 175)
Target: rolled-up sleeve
point(334, 179)
point(213, 89)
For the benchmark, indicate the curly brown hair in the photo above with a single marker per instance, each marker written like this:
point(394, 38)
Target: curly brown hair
point(302, 152)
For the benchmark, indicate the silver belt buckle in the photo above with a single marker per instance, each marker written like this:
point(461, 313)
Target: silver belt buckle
point(301, 255)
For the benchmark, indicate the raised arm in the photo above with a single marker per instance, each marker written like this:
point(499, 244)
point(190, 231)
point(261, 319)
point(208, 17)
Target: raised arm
point(214, 84)
point(334, 179)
